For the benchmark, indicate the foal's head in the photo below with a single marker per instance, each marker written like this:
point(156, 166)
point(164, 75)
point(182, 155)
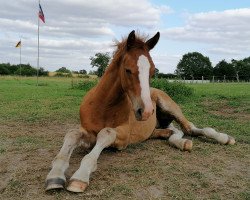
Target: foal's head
point(136, 68)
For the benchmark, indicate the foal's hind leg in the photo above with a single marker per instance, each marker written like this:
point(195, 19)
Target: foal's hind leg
point(161, 133)
point(177, 140)
point(170, 109)
point(56, 178)
point(175, 137)
point(167, 111)
point(208, 132)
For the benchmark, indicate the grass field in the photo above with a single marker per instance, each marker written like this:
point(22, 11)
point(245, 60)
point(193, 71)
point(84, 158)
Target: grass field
point(34, 120)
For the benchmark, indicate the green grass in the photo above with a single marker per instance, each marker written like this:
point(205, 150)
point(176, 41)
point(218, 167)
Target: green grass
point(53, 100)
point(58, 100)
point(225, 106)
point(44, 113)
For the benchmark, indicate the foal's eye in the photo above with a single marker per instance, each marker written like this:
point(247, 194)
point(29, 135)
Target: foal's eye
point(128, 71)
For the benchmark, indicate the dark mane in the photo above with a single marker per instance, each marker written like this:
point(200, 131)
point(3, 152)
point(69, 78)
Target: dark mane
point(122, 47)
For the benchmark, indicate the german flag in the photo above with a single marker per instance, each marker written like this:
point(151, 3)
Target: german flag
point(18, 44)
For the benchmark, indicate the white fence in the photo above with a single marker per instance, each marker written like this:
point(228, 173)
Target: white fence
point(214, 79)
point(189, 81)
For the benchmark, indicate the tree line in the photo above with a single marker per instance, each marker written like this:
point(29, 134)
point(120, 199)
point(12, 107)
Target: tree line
point(192, 66)
point(100, 60)
point(28, 70)
point(23, 69)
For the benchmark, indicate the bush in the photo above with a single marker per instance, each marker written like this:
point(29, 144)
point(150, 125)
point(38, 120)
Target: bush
point(4, 70)
point(83, 76)
point(26, 70)
point(176, 90)
point(85, 85)
point(60, 74)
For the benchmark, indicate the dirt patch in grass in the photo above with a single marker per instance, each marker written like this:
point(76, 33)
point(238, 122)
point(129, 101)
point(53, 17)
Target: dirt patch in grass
point(226, 108)
point(149, 170)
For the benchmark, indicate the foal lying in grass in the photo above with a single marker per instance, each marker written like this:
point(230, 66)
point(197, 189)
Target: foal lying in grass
point(122, 109)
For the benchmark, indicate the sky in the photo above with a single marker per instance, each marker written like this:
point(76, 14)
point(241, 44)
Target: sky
point(75, 30)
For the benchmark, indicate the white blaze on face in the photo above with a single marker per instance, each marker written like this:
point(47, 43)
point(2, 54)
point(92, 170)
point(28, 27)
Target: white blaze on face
point(144, 67)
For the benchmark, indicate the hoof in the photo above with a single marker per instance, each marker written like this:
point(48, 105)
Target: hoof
point(230, 140)
point(188, 145)
point(76, 186)
point(54, 183)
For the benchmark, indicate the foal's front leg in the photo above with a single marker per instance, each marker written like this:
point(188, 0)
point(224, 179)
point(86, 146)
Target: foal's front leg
point(56, 178)
point(80, 180)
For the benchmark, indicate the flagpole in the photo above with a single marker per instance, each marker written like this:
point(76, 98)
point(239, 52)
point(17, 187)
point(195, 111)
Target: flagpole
point(38, 27)
point(20, 56)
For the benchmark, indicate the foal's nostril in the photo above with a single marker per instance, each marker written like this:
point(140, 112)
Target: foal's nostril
point(139, 111)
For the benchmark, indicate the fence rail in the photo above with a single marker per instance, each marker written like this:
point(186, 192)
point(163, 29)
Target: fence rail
point(212, 79)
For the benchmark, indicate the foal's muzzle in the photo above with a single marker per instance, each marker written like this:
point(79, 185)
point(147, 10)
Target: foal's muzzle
point(142, 110)
point(142, 114)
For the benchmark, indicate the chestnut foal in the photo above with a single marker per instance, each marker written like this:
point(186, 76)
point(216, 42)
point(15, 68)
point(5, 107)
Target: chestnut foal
point(122, 109)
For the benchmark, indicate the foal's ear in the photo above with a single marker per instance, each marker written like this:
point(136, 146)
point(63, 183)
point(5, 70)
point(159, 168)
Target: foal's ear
point(131, 40)
point(153, 41)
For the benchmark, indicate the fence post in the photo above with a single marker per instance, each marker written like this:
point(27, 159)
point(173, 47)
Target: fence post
point(224, 78)
point(213, 79)
point(72, 83)
point(237, 77)
point(202, 78)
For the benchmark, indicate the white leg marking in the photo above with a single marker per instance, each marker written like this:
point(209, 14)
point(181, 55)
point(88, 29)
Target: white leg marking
point(105, 138)
point(222, 138)
point(61, 161)
point(143, 67)
point(177, 140)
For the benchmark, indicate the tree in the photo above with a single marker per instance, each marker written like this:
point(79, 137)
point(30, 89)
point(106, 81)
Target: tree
point(63, 70)
point(83, 71)
point(225, 68)
point(42, 72)
point(4, 69)
point(169, 75)
point(194, 65)
point(156, 73)
point(12, 68)
point(101, 61)
point(242, 68)
point(26, 70)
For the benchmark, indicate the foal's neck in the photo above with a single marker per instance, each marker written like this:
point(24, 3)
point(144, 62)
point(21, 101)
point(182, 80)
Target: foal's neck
point(110, 89)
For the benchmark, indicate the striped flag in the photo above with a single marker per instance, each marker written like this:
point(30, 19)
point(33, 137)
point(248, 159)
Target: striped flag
point(40, 14)
point(18, 44)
